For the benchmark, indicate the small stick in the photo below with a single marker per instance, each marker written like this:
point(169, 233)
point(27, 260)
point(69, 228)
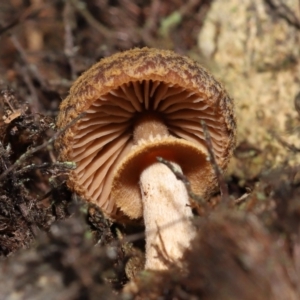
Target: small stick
point(60, 165)
point(31, 151)
point(284, 12)
point(162, 253)
point(31, 12)
point(31, 67)
point(80, 6)
point(222, 184)
point(183, 178)
point(242, 199)
point(284, 143)
point(69, 47)
point(35, 104)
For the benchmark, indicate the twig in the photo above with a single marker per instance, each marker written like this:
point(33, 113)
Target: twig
point(4, 156)
point(176, 17)
point(183, 178)
point(32, 68)
point(284, 12)
point(162, 253)
point(80, 6)
point(151, 22)
point(8, 96)
point(222, 184)
point(30, 13)
point(284, 143)
point(57, 164)
point(31, 151)
point(242, 199)
point(297, 103)
point(35, 104)
point(69, 48)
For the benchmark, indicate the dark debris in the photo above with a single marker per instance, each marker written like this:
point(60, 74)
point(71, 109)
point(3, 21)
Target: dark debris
point(64, 264)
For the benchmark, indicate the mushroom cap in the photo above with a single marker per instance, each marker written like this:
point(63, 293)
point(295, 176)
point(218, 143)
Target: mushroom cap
point(118, 90)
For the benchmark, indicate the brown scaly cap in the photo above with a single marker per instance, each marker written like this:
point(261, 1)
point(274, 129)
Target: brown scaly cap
point(116, 91)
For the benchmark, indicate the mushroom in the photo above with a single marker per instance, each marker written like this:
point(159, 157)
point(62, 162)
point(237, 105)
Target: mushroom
point(138, 105)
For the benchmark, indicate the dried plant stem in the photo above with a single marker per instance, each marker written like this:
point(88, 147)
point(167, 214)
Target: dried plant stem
point(289, 146)
point(31, 151)
point(183, 178)
point(58, 164)
point(222, 184)
point(284, 12)
point(31, 12)
point(69, 48)
point(80, 6)
point(32, 68)
point(242, 199)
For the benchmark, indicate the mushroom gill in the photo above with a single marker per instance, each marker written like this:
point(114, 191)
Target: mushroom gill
point(104, 135)
point(117, 92)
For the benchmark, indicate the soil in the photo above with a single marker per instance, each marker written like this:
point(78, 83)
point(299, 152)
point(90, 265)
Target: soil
point(54, 245)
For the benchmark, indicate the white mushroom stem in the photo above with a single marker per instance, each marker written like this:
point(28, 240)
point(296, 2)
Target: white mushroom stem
point(167, 216)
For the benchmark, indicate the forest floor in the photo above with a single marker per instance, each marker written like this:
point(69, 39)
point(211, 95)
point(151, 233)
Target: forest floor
point(53, 245)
